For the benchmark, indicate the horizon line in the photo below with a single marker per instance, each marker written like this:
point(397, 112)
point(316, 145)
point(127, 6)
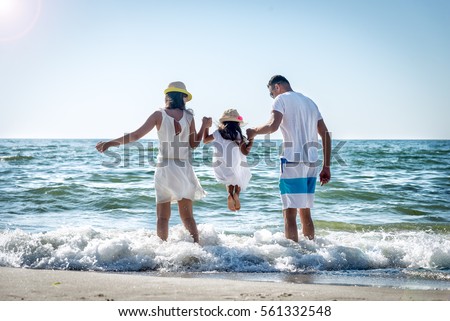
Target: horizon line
point(96, 138)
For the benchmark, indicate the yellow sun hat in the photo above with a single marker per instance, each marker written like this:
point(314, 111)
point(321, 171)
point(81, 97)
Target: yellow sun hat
point(178, 86)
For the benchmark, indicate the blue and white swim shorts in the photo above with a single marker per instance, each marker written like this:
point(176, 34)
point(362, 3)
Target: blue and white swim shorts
point(297, 184)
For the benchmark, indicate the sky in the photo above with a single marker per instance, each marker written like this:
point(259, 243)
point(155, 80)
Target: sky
point(97, 69)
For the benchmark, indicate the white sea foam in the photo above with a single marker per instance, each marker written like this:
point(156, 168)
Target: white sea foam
point(114, 250)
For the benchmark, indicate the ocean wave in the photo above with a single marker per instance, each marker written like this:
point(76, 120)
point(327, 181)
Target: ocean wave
point(15, 158)
point(87, 248)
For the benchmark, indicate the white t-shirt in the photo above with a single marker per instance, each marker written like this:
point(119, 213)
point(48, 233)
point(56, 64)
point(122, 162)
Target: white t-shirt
point(299, 126)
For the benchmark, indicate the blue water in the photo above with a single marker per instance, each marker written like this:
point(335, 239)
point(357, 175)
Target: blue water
point(383, 219)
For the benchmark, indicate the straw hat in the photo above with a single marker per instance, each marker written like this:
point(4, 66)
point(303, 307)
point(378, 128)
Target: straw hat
point(232, 115)
point(180, 87)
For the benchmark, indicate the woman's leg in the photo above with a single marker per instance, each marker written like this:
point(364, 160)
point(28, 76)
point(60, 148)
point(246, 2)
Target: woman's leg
point(162, 223)
point(187, 217)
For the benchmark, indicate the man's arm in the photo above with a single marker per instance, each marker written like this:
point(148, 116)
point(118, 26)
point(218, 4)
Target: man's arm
point(325, 174)
point(271, 127)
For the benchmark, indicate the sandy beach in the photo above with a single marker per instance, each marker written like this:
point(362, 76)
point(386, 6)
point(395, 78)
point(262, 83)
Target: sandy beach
point(47, 285)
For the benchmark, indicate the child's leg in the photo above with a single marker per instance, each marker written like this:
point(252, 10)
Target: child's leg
point(162, 223)
point(187, 217)
point(237, 202)
point(231, 203)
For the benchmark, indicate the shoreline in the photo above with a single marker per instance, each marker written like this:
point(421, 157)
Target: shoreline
point(20, 284)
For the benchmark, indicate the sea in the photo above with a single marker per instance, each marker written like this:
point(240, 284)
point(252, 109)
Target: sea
point(383, 220)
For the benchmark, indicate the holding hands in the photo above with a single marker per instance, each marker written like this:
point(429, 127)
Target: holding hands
point(251, 133)
point(207, 122)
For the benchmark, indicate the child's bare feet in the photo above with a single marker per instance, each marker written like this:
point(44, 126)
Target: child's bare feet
point(237, 202)
point(231, 203)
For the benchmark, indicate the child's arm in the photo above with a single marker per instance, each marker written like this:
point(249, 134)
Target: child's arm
point(246, 147)
point(195, 138)
point(150, 123)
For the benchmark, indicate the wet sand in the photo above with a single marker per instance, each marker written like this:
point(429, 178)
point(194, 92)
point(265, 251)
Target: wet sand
point(47, 285)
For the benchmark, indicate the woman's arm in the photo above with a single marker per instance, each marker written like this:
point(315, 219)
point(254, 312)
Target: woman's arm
point(150, 123)
point(194, 137)
point(207, 138)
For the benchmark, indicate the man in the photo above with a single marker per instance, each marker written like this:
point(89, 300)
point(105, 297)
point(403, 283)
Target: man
point(300, 122)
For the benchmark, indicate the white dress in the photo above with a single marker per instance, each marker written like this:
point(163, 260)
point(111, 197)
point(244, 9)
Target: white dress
point(230, 165)
point(174, 176)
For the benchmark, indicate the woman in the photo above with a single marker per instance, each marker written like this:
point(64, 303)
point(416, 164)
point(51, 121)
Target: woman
point(175, 179)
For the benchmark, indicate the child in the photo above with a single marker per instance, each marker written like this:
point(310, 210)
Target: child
point(230, 161)
point(175, 179)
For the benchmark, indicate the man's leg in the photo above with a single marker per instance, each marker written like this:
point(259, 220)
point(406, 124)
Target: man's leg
point(307, 223)
point(162, 222)
point(290, 224)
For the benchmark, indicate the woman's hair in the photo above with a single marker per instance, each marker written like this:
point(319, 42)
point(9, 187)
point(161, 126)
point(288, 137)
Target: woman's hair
point(231, 130)
point(175, 101)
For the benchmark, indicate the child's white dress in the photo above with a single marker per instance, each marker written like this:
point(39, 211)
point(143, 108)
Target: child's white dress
point(174, 176)
point(230, 165)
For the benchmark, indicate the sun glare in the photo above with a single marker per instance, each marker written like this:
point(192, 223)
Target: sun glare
point(7, 8)
point(17, 17)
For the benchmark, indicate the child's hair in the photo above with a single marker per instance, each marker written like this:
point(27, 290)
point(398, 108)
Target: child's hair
point(175, 101)
point(231, 130)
